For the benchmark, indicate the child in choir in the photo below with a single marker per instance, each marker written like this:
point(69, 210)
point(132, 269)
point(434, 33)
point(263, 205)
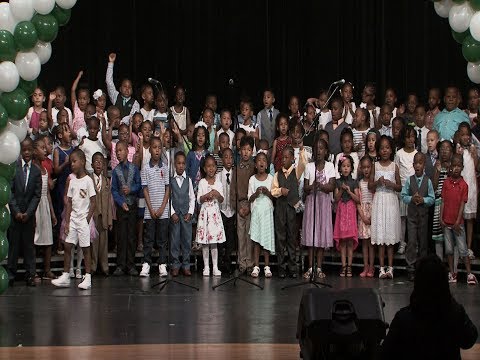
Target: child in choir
point(434, 97)
point(33, 114)
point(285, 189)
point(420, 128)
point(44, 216)
point(56, 103)
point(170, 147)
point(239, 135)
point(349, 105)
point(122, 99)
point(432, 153)
point(346, 141)
point(368, 103)
point(384, 125)
point(410, 106)
point(160, 114)
point(373, 136)
point(181, 212)
point(211, 103)
point(470, 164)
point(251, 127)
point(419, 195)
point(454, 198)
point(125, 186)
point(261, 224)
point(225, 123)
point(79, 105)
point(391, 100)
point(264, 148)
point(404, 160)
point(61, 170)
point(179, 111)
point(365, 218)
point(200, 147)
point(208, 118)
point(282, 141)
point(360, 129)
point(266, 117)
point(473, 105)
point(442, 166)
point(43, 128)
point(336, 126)
point(385, 227)
point(325, 112)
point(80, 209)
point(294, 109)
point(113, 118)
point(188, 138)
point(156, 190)
point(308, 127)
point(102, 215)
point(239, 201)
point(223, 143)
point(347, 195)
point(47, 163)
point(92, 144)
point(227, 210)
point(319, 184)
point(398, 133)
point(147, 94)
point(110, 145)
point(210, 230)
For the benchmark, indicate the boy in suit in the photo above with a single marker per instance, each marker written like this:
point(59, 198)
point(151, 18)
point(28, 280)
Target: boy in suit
point(26, 192)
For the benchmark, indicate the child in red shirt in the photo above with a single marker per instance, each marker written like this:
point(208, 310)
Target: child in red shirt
point(454, 196)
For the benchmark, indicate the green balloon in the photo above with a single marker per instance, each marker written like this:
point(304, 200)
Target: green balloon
point(4, 222)
point(62, 15)
point(3, 118)
point(7, 46)
point(4, 191)
point(7, 171)
point(3, 280)
point(16, 103)
point(459, 37)
point(475, 4)
point(28, 86)
point(25, 35)
point(47, 27)
point(3, 244)
point(470, 49)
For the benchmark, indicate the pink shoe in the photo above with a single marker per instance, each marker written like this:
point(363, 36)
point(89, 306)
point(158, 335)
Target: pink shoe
point(364, 272)
point(371, 272)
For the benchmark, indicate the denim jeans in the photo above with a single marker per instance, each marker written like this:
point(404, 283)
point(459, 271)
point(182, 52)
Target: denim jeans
point(452, 239)
point(156, 231)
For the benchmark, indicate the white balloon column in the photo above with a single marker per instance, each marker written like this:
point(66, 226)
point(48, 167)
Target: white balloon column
point(27, 28)
point(464, 19)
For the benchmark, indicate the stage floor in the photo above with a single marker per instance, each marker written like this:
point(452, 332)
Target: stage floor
point(126, 311)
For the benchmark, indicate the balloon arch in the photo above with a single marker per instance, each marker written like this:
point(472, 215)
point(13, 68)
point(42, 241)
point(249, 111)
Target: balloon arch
point(27, 28)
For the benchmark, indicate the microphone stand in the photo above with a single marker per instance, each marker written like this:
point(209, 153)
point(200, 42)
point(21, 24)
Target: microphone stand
point(236, 275)
point(163, 283)
point(311, 280)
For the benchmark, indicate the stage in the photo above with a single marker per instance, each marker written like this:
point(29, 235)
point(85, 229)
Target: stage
point(47, 321)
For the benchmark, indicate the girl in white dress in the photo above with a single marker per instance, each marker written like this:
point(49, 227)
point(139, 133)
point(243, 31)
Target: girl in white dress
point(179, 111)
point(210, 230)
point(404, 160)
point(385, 228)
point(470, 162)
point(45, 216)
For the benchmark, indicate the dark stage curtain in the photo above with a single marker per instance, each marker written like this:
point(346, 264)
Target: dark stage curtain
point(295, 47)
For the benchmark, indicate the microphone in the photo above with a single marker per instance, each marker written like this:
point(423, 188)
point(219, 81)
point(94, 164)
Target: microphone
point(339, 82)
point(231, 82)
point(154, 82)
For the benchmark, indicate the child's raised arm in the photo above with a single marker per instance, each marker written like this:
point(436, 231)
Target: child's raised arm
point(73, 94)
point(51, 97)
point(107, 136)
point(112, 91)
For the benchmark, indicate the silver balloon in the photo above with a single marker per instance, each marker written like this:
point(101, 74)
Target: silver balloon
point(19, 128)
point(9, 147)
point(43, 50)
point(28, 65)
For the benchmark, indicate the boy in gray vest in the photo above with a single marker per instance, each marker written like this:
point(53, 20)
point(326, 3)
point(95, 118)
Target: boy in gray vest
point(266, 117)
point(419, 195)
point(181, 211)
point(285, 189)
point(126, 184)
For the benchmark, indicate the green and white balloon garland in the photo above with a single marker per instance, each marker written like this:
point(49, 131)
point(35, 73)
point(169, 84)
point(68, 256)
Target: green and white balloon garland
point(27, 28)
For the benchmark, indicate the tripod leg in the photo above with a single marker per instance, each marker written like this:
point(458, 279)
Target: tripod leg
point(187, 285)
point(225, 282)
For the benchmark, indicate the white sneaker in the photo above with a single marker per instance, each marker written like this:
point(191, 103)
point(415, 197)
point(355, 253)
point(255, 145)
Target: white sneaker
point(471, 255)
point(62, 281)
point(401, 248)
point(382, 274)
point(471, 279)
point(255, 272)
point(389, 272)
point(206, 271)
point(78, 273)
point(267, 271)
point(217, 272)
point(86, 283)
point(145, 270)
point(162, 270)
point(452, 278)
point(72, 273)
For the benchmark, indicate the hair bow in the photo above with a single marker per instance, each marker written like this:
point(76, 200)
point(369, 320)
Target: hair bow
point(201, 123)
point(97, 94)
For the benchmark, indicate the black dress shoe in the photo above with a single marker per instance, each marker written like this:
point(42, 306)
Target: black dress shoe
point(281, 273)
point(30, 282)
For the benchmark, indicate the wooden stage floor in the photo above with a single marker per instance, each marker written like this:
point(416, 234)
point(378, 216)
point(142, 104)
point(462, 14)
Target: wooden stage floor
point(123, 318)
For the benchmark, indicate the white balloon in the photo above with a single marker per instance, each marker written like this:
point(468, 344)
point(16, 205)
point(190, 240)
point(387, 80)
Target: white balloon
point(43, 50)
point(28, 65)
point(442, 8)
point(9, 147)
point(7, 21)
point(475, 26)
point(459, 17)
point(19, 128)
point(43, 7)
point(9, 77)
point(22, 10)
point(66, 4)
point(473, 72)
